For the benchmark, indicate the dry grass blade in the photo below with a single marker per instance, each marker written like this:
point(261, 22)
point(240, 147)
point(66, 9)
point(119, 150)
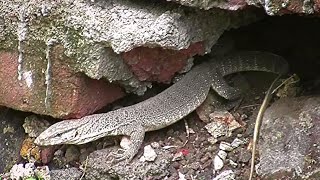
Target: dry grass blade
point(257, 126)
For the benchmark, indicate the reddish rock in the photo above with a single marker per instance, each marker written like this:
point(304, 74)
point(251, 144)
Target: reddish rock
point(158, 64)
point(73, 95)
point(47, 154)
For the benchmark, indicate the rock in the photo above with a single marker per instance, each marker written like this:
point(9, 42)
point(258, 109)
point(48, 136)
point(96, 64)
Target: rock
point(225, 146)
point(237, 142)
point(181, 176)
point(223, 123)
point(66, 174)
point(21, 171)
point(33, 126)
point(207, 107)
point(72, 153)
point(155, 145)
point(272, 8)
point(11, 138)
point(205, 4)
point(158, 64)
point(226, 175)
point(218, 161)
point(100, 167)
point(30, 151)
point(178, 156)
point(58, 99)
point(29, 171)
point(47, 154)
point(244, 155)
point(278, 7)
point(289, 144)
point(74, 65)
point(148, 154)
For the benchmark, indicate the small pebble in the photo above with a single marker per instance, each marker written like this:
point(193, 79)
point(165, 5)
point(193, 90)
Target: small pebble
point(191, 131)
point(244, 156)
point(58, 152)
point(149, 154)
point(233, 164)
point(237, 142)
point(225, 175)
point(176, 165)
point(194, 165)
point(218, 160)
point(212, 140)
point(155, 145)
point(181, 176)
point(225, 146)
point(125, 142)
point(217, 163)
point(178, 156)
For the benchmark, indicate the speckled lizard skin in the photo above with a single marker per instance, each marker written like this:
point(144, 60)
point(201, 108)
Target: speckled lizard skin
point(167, 107)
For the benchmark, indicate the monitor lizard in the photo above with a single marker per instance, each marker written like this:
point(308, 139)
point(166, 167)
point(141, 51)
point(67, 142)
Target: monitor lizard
point(165, 108)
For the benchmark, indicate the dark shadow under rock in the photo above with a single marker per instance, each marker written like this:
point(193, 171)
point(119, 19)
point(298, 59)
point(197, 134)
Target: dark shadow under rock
point(290, 144)
point(11, 137)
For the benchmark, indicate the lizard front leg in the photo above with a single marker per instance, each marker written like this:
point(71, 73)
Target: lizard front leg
point(136, 133)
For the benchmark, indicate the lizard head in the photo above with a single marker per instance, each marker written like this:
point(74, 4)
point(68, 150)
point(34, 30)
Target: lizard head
point(64, 132)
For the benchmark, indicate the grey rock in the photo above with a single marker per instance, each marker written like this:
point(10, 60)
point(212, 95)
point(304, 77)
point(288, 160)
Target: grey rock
point(72, 153)
point(290, 138)
point(208, 4)
point(99, 166)
point(95, 33)
point(66, 174)
point(33, 125)
point(244, 155)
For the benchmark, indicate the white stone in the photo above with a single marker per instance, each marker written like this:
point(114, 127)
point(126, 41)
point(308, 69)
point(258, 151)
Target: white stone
point(237, 142)
point(225, 146)
point(148, 154)
point(218, 160)
point(125, 142)
point(226, 175)
point(19, 171)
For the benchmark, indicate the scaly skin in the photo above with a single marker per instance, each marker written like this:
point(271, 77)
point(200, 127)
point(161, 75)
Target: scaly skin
point(164, 109)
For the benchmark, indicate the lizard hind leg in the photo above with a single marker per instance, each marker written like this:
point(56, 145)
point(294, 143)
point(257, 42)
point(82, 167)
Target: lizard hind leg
point(222, 88)
point(136, 133)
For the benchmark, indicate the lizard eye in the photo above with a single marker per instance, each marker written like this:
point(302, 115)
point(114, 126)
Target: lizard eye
point(59, 135)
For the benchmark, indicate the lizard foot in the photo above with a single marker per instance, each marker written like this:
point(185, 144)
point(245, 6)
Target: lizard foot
point(121, 155)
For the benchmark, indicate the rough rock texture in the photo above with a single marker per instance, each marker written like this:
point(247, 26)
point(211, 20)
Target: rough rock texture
point(287, 7)
point(91, 36)
point(208, 4)
point(11, 137)
point(66, 174)
point(100, 167)
point(157, 64)
point(65, 95)
point(290, 144)
point(271, 7)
